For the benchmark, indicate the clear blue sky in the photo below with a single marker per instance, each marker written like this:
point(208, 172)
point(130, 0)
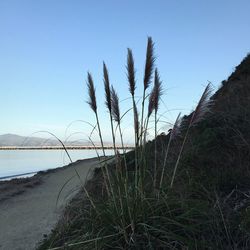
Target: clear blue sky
point(46, 48)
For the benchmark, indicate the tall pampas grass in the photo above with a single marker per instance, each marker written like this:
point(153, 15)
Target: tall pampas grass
point(154, 99)
point(148, 71)
point(106, 87)
point(91, 93)
point(198, 114)
point(132, 86)
point(116, 114)
point(117, 117)
point(149, 65)
point(153, 106)
point(131, 72)
point(203, 106)
point(93, 105)
point(108, 101)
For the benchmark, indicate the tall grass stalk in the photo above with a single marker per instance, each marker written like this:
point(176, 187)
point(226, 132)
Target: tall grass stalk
point(93, 105)
point(109, 102)
point(132, 86)
point(149, 66)
point(198, 114)
point(148, 71)
point(174, 132)
point(116, 115)
point(153, 105)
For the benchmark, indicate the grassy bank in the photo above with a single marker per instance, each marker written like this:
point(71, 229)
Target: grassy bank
point(188, 189)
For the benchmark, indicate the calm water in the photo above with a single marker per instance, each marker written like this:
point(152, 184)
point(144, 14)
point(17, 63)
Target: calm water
point(17, 162)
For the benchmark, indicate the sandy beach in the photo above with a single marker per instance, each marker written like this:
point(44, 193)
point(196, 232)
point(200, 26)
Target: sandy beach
point(29, 207)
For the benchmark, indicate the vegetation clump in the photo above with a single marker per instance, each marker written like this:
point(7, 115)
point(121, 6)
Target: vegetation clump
point(188, 189)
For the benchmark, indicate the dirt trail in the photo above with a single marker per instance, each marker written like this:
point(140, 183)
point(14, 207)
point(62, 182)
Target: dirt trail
point(29, 212)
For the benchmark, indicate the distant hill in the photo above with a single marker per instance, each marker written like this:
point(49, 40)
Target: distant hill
point(17, 140)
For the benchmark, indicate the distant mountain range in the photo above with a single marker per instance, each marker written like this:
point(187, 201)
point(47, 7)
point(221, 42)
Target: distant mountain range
point(9, 140)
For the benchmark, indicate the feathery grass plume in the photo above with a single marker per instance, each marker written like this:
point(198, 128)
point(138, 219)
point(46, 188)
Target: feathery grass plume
point(91, 92)
point(202, 106)
point(132, 85)
point(93, 105)
point(158, 90)
point(176, 130)
point(201, 109)
point(107, 87)
point(149, 66)
point(155, 94)
point(131, 72)
point(116, 115)
point(108, 102)
point(115, 105)
point(154, 98)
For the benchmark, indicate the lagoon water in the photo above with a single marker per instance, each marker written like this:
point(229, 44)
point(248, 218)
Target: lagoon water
point(22, 162)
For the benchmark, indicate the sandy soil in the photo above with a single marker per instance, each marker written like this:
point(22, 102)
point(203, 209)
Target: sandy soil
point(28, 208)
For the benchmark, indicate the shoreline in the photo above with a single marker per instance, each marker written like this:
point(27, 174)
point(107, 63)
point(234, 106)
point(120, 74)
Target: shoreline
point(30, 207)
point(16, 186)
point(10, 177)
point(19, 176)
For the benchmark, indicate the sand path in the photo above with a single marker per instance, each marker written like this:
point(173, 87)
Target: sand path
point(26, 216)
